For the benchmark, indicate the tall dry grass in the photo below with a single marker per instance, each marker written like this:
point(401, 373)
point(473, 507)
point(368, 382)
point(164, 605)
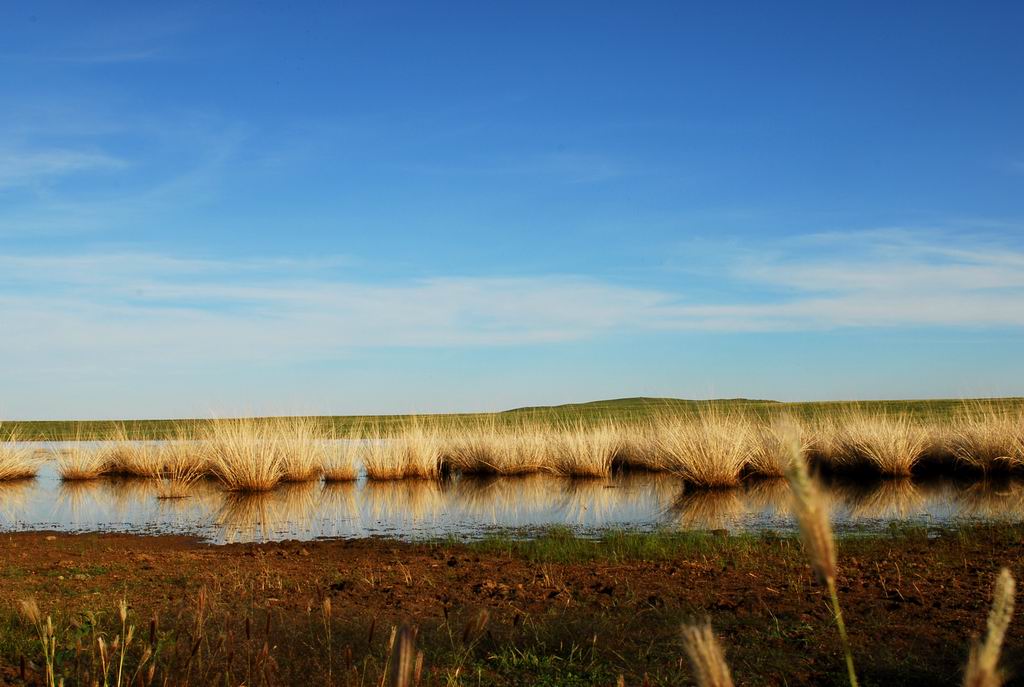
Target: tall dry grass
point(816, 533)
point(706, 656)
point(340, 461)
point(131, 456)
point(889, 444)
point(185, 460)
point(245, 455)
point(414, 452)
point(79, 460)
point(16, 461)
point(303, 445)
point(578, 450)
point(709, 450)
point(769, 452)
point(987, 438)
point(983, 661)
point(487, 448)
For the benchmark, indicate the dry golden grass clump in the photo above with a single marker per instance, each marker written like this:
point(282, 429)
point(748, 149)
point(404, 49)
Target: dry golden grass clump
point(79, 460)
point(987, 438)
point(487, 449)
point(638, 446)
point(16, 461)
point(129, 456)
point(303, 445)
point(582, 451)
point(414, 452)
point(245, 455)
point(823, 442)
point(709, 450)
point(983, 662)
point(707, 660)
point(340, 458)
point(769, 453)
point(888, 444)
point(184, 463)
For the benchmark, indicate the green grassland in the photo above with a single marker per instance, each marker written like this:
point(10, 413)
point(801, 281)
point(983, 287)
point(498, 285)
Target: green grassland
point(623, 410)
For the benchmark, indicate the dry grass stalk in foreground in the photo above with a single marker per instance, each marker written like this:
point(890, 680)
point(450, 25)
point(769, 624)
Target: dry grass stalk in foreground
point(29, 611)
point(816, 533)
point(983, 663)
point(406, 664)
point(245, 455)
point(706, 656)
point(16, 462)
point(710, 450)
point(769, 451)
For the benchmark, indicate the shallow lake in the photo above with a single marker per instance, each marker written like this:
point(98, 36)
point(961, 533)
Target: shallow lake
point(473, 507)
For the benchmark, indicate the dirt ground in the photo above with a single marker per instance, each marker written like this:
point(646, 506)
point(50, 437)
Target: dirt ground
point(254, 614)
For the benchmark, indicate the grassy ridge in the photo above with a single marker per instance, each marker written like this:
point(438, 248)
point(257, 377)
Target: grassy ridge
point(624, 409)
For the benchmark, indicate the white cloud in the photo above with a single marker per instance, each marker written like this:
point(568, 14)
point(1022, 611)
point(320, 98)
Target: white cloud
point(147, 309)
point(23, 168)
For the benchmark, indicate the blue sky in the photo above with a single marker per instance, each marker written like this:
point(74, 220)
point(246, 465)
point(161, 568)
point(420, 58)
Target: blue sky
point(217, 208)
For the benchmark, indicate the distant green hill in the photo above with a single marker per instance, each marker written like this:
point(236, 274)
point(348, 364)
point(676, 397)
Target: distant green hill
point(623, 409)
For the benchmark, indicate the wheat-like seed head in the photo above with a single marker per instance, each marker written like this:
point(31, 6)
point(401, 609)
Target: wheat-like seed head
point(403, 657)
point(982, 664)
point(30, 611)
point(706, 657)
point(809, 509)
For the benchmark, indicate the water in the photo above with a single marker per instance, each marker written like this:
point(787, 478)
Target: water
point(472, 507)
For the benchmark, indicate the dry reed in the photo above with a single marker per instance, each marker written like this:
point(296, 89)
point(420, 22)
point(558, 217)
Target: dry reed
point(487, 449)
point(582, 451)
point(983, 662)
point(245, 455)
point(769, 454)
point(130, 456)
point(184, 463)
point(709, 450)
point(987, 438)
point(891, 445)
point(302, 443)
point(707, 660)
point(16, 461)
point(340, 458)
point(415, 452)
point(81, 461)
point(816, 534)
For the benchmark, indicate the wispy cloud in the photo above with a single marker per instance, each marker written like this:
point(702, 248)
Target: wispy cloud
point(562, 166)
point(155, 309)
point(27, 167)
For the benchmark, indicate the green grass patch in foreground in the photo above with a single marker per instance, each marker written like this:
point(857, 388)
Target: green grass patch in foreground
point(562, 545)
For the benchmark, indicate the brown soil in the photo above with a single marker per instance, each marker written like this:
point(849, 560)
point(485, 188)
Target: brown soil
point(911, 604)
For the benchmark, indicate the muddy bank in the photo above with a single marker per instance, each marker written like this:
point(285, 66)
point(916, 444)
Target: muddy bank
point(505, 613)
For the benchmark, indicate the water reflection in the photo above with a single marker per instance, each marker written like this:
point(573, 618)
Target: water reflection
point(14, 496)
point(471, 506)
point(266, 515)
